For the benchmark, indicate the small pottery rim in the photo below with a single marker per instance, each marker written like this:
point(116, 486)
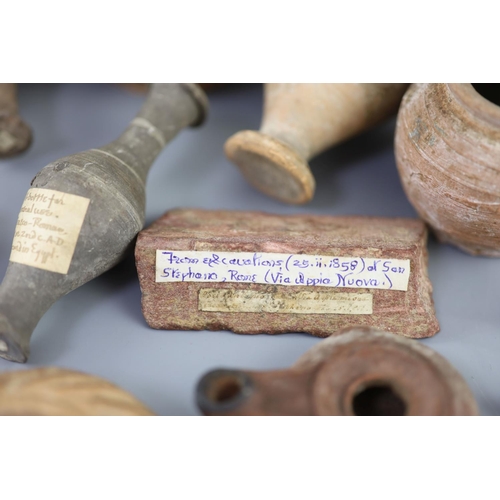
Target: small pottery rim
point(475, 103)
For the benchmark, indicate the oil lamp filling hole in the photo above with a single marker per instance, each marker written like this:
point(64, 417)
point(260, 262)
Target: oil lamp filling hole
point(378, 400)
point(224, 389)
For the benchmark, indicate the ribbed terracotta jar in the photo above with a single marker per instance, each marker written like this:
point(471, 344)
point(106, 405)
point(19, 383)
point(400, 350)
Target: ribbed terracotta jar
point(52, 391)
point(448, 154)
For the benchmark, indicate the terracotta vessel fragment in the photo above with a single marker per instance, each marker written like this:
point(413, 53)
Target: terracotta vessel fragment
point(83, 211)
point(361, 372)
point(447, 152)
point(56, 391)
point(15, 135)
point(301, 120)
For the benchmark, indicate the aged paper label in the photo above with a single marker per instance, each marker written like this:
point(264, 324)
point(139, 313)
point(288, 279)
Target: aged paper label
point(47, 229)
point(306, 302)
point(282, 269)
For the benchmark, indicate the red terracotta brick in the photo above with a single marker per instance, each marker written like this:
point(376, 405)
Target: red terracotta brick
point(177, 305)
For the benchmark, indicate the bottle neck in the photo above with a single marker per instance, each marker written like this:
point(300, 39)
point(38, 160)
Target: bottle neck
point(169, 108)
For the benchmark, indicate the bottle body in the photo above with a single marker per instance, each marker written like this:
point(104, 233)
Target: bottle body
point(81, 215)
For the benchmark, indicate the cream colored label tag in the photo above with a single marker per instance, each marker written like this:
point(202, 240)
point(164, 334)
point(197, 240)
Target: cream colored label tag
point(307, 302)
point(47, 229)
point(282, 269)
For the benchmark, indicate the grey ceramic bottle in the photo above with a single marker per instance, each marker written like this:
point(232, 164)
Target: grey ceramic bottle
point(83, 211)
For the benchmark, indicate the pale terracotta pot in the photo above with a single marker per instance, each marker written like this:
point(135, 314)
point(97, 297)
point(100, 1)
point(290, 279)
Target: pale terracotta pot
point(300, 121)
point(57, 391)
point(448, 155)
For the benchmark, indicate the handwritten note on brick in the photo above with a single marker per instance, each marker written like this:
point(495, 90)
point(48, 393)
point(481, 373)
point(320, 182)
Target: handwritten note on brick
point(282, 269)
point(47, 229)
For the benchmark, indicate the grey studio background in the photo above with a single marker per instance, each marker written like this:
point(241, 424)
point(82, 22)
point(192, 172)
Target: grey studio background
point(99, 328)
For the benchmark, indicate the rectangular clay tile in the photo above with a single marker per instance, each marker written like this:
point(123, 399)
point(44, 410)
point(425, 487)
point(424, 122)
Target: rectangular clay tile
point(363, 271)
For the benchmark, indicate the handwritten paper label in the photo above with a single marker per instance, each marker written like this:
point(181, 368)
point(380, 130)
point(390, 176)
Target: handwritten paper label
point(282, 269)
point(47, 229)
point(307, 302)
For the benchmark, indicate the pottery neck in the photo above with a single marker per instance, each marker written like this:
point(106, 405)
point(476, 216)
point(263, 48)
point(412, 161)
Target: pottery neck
point(169, 108)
